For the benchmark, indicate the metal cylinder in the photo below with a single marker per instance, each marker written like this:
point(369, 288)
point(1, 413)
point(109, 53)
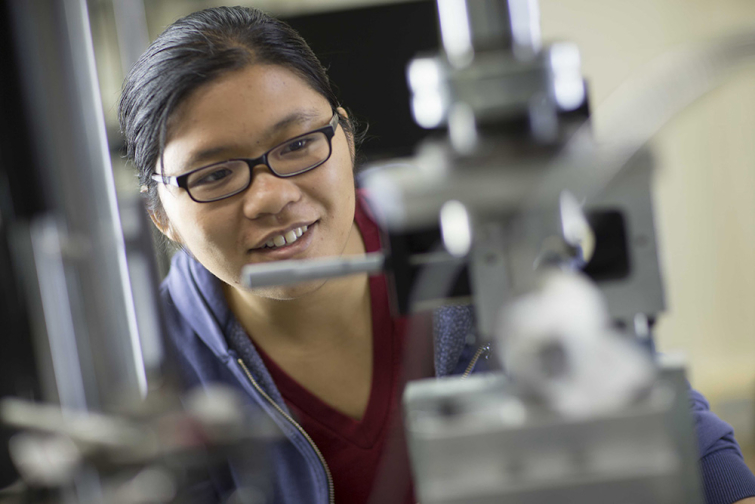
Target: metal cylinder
point(471, 26)
point(78, 247)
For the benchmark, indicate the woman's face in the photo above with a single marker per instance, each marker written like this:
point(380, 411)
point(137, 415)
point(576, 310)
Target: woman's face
point(242, 115)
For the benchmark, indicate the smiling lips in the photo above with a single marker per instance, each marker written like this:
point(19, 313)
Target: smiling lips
point(286, 238)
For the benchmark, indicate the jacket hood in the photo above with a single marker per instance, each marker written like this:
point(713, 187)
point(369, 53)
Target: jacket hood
point(199, 298)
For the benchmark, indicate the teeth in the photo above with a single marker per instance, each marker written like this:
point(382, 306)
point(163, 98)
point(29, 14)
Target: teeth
point(286, 239)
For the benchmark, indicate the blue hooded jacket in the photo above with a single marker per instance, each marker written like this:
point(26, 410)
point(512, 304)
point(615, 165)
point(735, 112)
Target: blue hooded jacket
point(211, 347)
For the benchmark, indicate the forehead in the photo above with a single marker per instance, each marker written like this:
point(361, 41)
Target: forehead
point(239, 109)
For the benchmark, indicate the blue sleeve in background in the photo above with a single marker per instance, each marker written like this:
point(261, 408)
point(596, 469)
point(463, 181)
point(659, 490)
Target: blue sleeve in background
point(726, 477)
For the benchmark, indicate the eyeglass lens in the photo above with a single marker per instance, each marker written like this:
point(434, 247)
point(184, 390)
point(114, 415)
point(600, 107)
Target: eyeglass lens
point(225, 179)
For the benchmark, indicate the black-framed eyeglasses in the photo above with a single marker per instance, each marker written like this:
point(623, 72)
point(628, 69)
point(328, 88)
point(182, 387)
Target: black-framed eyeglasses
point(292, 157)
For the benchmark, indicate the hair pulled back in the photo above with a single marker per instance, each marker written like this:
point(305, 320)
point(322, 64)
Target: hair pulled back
point(196, 50)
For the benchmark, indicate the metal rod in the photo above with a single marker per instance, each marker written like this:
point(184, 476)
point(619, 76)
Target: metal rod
point(293, 272)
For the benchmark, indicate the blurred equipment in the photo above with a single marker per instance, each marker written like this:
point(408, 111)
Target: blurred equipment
point(504, 210)
point(114, 428)
point(70, 246)
point(481, 440)
point(512, 209)
point(583, 414)
point(156, 454)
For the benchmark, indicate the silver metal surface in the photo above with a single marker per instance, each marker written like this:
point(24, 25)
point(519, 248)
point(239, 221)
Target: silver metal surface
point(58, 315)
point(479, 441)
point(410, 198)
point(472, 26)
point(293, 272)
point(144, 278)
point(54, 45)
point(642, 290)
point(494, 69)
point(489, 274)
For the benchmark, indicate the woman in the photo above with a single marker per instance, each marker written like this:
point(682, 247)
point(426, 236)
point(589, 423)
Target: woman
point(246, 156)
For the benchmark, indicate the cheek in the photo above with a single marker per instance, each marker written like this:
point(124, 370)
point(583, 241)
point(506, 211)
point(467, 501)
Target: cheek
point(211, 239)
point(339, 192)
point(207, 230)
point(341, 177)
point(198, 228)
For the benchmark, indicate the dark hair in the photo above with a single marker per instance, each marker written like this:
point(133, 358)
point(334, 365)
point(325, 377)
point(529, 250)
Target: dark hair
point(196, 50)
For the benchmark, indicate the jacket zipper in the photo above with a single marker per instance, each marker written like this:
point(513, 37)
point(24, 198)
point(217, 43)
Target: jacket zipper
point(331, 492)
point(484, 349)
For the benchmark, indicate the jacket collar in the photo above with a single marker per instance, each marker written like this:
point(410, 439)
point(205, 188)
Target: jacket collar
point(198, 295)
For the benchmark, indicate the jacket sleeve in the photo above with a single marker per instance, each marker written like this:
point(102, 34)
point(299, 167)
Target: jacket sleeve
point(726, 477)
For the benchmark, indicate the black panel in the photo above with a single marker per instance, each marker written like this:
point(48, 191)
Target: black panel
point(402, 275)
point(610, 261)
point(366, 51)
point(20, 198)
point(20, 192)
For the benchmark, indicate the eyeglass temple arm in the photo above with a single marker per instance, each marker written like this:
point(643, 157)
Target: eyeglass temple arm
point(165, 179)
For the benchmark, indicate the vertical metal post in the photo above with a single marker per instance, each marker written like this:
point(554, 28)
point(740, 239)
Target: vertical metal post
point(78, 243)
point(131, 28)
point(469, 26)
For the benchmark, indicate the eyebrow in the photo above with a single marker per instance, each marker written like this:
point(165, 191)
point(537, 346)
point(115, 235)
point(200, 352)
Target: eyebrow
point(298, 117)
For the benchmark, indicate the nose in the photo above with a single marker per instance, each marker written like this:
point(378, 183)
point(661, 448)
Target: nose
point(268, 195)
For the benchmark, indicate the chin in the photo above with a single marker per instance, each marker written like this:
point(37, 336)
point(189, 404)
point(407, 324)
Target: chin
point(289, 292)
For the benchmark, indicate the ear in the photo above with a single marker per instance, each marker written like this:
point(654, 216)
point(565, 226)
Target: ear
point(162, 223)
point(349, 135)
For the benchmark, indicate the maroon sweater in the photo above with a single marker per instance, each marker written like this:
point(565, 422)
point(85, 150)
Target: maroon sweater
point(353, 448)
